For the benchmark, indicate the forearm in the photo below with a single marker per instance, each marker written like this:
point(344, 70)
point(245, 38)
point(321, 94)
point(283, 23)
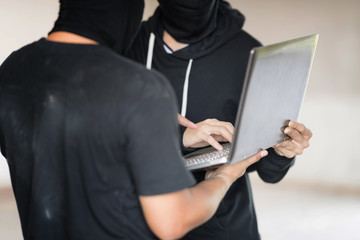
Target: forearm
point(172, 215)
point(205, 198)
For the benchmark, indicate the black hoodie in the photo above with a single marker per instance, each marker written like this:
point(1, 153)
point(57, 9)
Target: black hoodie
point(207, 76)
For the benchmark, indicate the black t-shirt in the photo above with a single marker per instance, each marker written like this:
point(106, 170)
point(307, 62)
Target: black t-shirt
point(86, 131)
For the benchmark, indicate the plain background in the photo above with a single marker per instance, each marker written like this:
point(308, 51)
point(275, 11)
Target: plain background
point(331, 108)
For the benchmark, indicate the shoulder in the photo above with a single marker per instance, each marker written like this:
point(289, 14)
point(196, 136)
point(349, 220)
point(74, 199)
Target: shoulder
point(240, 45)
point(118, 78)
point(19, 55)
point(111, 90)
point(245, 38)
point(132, 72)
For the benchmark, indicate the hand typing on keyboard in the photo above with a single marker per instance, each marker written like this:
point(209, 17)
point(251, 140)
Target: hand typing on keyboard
point(208, 132)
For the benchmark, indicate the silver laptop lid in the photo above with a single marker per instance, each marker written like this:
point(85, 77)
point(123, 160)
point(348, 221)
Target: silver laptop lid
point(273, 93)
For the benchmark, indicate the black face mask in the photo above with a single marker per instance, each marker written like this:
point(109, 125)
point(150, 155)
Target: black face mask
point(189, 21)
point(113, 23)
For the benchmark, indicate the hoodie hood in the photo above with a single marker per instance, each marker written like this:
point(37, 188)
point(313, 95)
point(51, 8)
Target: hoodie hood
point(113, 23)
point(229, 23)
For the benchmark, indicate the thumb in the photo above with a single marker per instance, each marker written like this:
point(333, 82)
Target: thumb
point(253, 159)
point(186, 122)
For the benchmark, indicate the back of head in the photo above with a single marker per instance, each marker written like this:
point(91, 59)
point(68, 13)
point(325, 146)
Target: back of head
point(113, 23)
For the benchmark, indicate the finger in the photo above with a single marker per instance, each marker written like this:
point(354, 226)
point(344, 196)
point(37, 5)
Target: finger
point(209, 139)
point(220, 138)
point(228, 125)
point(285, 152)
point(253, 159)
point(297, 138)
point(210, 120)
point(218, 130)
point(186, 122)
point(214, 121)
point(301, 128)
point(285, 144)
point(294, 134)
point(289, 145)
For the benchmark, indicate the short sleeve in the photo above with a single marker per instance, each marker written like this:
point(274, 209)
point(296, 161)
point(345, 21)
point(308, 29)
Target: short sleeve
point(2, 144)
point(2, 137)
point(153, 146)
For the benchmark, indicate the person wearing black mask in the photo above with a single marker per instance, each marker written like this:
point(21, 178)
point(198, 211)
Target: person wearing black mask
point(77, 126)
point(201, 48)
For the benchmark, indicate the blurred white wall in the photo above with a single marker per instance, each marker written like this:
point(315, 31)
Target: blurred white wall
point(332, 104)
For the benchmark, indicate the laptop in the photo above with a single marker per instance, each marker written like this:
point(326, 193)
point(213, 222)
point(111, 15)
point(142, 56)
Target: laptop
point(273, 92)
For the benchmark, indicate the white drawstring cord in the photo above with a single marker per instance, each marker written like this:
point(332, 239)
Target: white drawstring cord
point(150, 51)
point(188, 70)
point(185, 89)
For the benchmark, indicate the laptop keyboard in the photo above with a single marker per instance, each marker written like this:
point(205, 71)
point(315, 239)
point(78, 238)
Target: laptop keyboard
point(208, 157)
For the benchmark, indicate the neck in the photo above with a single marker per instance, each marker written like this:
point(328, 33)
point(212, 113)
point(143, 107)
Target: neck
point(172, 43)
point(67, 37)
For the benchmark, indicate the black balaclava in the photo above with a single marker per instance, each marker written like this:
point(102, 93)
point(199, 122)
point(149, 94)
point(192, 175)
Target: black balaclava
point(113, 23)
point(189, 21)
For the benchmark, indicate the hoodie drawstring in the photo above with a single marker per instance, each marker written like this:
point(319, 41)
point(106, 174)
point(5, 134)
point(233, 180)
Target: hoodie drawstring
point(185, 89)
point(150, 51)
point(188, 70)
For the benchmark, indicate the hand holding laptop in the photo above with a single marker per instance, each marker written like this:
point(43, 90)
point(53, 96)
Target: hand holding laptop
point(299, 140)
point(231, 173)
